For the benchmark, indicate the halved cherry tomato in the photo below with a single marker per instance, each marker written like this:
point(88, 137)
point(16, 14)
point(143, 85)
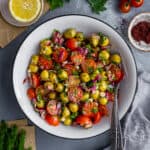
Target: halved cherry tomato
point(137, 3)
point(89, 109)
point(45, 63)
point(110, 96)
point(52, 120)
point(70, 69)
point(35, 80)
point(115, 73)
point(77, 58)
point(84, 121)
point(52, 107)
point(31, 93)
point(124, 6)
point(119, 75)
point(73, 81)
point(72, 44)
point(60, 55)
point(103, 110)
point(96, 118)
point(75, 94)
point(88, 65)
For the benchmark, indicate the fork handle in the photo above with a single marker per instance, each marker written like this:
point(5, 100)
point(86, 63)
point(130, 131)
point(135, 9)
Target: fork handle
point(117, 137)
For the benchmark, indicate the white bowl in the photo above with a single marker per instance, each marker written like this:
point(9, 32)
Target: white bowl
point(87, 25)
point(138, 18)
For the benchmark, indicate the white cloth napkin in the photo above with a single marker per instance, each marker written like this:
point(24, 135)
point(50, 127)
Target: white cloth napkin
point(137, 123)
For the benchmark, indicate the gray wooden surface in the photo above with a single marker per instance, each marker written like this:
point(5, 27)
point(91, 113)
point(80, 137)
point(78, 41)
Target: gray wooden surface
point(9, 108)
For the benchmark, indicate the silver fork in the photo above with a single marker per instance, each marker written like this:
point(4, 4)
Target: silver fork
point(117, 138)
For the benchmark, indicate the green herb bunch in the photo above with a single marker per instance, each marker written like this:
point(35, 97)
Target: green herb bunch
point(96, 5)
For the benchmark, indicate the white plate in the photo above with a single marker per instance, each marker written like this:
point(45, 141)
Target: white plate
point(87, 25)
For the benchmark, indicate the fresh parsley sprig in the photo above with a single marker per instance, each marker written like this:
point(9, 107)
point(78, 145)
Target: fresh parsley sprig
point(96, 5)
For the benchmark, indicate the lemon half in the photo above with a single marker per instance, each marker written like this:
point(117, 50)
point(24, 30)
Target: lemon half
point(25, 10)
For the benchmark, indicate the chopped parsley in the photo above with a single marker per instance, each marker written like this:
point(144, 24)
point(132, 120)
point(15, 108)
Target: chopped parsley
point(95, 110)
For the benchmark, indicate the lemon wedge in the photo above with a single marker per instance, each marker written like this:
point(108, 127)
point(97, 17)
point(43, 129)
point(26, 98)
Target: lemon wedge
point(24, 10)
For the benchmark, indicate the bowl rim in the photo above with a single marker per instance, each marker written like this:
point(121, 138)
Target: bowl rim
point(130, 27)
point(59, 16)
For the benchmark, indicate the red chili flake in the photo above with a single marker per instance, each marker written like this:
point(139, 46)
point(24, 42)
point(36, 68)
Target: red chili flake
point(26, 79)
point(141, 32)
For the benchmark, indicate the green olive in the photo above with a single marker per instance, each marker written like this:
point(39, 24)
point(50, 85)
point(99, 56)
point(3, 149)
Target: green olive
point(44, 75)
point(46, 50)
point(66, 112)
point(94, 40)
point(94, 74)
point(85, 77)
point(104, 41)
point(33, 68)
point(49, 85)
point(64, 97)
point(95, 94)
point(70, 33)
point(80, 36)
point(116, 58)
point(45, 42)
point(59, 87)
point(104, 55)
point(67, 121)
point(40, 104)
point(52, 95)
point(34, 59)
point(63, 75)
point(103, 75)
point(103, 86)
point(53, 77)
point(85, 96)
point(73, 107)
point(103, 101)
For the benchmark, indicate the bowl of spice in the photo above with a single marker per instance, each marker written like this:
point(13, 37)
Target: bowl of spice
point(139, 31)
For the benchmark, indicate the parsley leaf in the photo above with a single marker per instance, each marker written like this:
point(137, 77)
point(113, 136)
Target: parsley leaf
point(95, 110)
point(56, 3)
point(97, 5)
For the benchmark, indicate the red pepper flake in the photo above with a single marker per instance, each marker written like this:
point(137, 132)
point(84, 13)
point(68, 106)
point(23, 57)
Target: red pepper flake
point(141, 32)
point(26, 79)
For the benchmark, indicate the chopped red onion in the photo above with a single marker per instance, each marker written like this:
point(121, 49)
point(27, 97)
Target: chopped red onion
point(82, 50)
point(57, 38)
point(42, 113)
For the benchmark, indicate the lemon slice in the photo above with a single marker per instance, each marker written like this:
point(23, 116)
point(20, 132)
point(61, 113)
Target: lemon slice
point(24, 10)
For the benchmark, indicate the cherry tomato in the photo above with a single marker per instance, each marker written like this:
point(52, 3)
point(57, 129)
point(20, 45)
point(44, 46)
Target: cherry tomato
point(72, 44)
point(73, 81)
point(31, 93)
point(115, 73)
point(88, 65)
point(89, 108)
point(77, 58)
point(75, 94)
point(137, 3)
point(70, 69)
point(119, 75)
point(52, 107)
point(96, 118)
point(124, 6)
point(110, 96)
point(35, 80)
point(45, 63)
point(60, 55)
point(84, 121)
point(103, 110)
point(52, 120)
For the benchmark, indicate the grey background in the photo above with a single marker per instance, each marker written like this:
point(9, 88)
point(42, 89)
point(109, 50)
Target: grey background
point(9, 108)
